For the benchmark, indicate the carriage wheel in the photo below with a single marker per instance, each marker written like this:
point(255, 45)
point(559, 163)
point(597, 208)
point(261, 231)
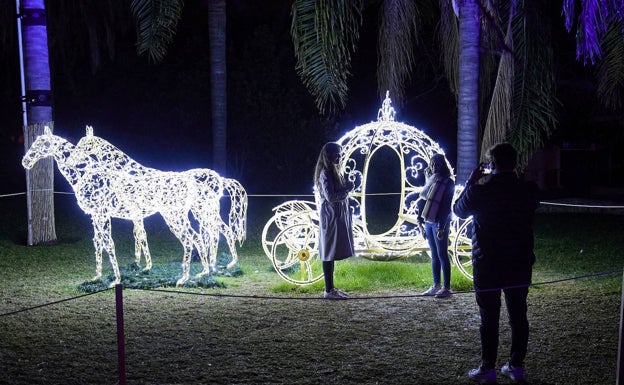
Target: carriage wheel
point(295, 254)
point(268, 236)
point(462, 248)
point(286, 215)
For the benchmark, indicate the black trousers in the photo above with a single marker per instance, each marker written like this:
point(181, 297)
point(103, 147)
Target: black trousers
point(514, 284)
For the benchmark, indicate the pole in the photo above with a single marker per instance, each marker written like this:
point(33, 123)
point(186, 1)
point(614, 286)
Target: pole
point(620, 364)
point(20, 46)
point(121, 347)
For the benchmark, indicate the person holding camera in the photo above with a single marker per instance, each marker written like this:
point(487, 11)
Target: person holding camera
point(335, 224)
point(434, 217)
point(502, 210)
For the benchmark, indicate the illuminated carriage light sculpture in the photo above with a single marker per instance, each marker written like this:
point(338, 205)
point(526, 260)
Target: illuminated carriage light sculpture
point(290, 236)
point(109, 184)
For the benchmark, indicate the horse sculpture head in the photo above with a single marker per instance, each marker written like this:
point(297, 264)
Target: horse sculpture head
point(45, 145)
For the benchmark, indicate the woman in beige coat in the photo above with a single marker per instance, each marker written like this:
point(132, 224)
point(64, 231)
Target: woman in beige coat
point(335, 225)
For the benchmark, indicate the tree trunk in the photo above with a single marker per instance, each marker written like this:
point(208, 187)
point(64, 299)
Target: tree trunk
point(468, 89)
point(40, 193)
point(218, 84)
point(39, 180)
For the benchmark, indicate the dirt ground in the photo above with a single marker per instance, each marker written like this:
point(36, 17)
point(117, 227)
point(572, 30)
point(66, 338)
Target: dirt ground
point(251, 336)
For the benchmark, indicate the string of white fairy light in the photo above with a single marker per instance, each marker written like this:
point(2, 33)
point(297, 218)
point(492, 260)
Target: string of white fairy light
point(109, 184)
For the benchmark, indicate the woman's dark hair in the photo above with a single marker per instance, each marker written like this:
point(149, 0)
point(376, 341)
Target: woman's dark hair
point(440, 160)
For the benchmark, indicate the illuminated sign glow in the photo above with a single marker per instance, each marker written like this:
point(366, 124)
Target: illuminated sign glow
point(109, 184)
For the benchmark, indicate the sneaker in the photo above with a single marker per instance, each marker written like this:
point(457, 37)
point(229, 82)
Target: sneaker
point(431, 291)
point(333, 294)
point(342, 292)
point(514, 373)
point(483, 376)
point(443, 293)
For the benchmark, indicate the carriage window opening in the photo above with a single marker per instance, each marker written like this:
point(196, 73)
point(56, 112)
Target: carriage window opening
point(383, 187)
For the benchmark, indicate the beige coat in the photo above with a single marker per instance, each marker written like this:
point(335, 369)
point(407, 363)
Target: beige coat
point(336, 228)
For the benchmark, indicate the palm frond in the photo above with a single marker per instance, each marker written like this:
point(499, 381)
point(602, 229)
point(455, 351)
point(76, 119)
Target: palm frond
point(494, 51)
point(499, 113)
point(396, 42)
point(324, 34)
point(448, 34)
point(610, 70)
point(534, 98)
point(156, 25)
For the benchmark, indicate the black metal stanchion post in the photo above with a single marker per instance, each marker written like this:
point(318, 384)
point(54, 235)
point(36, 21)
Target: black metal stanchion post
point(121, 348)
point(620, 363)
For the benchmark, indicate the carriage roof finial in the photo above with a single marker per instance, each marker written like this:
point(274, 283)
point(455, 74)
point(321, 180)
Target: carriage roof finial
point(89, 130)
point(386, 112)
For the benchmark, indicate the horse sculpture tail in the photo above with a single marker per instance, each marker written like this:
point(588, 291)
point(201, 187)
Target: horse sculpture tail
point(238, 208)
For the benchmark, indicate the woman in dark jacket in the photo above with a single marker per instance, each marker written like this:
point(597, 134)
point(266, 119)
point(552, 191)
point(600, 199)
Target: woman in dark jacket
point(435, 213)
point(336, 231)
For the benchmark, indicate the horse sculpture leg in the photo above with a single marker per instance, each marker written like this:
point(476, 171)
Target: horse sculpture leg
point(140, 244)
point(103, 240)
point(230, 238)
point(180, 226)
point(237, 225)
point(210, 228)
point(204, 250)
point(210, 237)
point(98, 245)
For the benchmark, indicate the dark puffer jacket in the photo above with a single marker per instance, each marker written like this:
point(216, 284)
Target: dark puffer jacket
point(502, 210)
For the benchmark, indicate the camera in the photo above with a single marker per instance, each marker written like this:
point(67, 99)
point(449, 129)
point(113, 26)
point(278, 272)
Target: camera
point(485, 168)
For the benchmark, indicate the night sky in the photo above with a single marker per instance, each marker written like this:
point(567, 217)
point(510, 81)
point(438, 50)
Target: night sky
point(160, 113)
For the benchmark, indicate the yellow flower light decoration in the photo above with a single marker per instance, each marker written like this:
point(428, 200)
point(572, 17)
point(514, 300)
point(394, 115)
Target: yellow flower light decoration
point(109, 184)
point(303, 255)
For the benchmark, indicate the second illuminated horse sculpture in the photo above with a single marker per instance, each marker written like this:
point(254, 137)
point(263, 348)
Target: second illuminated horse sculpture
point(109, 184)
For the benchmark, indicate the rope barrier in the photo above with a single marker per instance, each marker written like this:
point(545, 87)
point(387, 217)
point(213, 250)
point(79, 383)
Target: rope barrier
point(592, 275)
point(273, 297)
point(560, 204)
point(11, 195)
point(583, 206)
point(50, 303)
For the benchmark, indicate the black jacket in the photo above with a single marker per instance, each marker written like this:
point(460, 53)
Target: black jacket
point(502, 210)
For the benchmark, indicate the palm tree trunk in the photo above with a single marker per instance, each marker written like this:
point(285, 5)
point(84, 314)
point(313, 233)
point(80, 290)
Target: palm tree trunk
point(468, 89)
point(38, 96)
point(218, 84)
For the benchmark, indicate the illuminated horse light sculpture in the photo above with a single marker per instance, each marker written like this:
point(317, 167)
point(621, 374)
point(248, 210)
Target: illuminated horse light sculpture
point(109, 184)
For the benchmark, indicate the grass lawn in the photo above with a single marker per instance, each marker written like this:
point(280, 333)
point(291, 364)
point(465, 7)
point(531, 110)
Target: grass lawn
point(258, 329)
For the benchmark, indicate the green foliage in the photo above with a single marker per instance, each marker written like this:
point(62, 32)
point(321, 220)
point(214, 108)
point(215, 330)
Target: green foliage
point(400, 22)
point(610, 69)
point(521, 109)
point(534, 101)
point(160, 275)
point(363, 276)
point(324, 34)
point(156, 25)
